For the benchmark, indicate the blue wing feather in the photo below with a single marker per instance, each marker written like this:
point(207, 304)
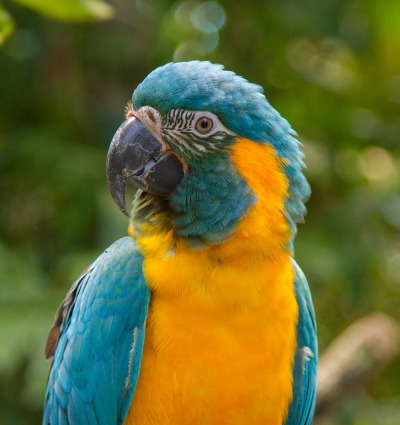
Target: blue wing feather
point(99, 341)
point(301, 409)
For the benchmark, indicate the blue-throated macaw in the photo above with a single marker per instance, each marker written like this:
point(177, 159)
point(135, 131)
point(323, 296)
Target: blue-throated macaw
point(201, 316)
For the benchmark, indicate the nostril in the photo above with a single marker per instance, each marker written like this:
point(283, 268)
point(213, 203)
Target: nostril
point(150, 114)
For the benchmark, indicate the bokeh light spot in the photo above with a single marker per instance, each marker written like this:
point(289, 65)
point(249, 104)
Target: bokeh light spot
point(329, 63)
point(208, 17)
point(377, 164)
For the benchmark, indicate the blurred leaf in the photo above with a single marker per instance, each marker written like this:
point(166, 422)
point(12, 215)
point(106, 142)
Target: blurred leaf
point(71, 10)
point(6, 25)
point(386, 14)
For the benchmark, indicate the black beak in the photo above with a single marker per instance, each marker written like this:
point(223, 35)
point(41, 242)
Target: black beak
point(135, 153)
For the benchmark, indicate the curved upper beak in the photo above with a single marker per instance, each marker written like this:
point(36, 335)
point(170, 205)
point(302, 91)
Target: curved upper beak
point(136, 154)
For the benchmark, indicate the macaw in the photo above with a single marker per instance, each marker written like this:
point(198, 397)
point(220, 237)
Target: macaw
point(200, 315)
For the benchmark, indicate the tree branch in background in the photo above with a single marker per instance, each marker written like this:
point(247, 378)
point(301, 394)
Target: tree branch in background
point(354, 358)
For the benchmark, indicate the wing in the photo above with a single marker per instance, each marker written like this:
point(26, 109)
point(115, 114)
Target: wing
point(97, 341)
point(301, 409)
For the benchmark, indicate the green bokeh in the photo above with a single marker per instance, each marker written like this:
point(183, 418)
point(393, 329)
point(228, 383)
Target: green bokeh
point(332, 68)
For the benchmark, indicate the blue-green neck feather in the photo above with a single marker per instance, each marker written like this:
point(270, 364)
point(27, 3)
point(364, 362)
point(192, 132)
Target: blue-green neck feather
point(209, 213)
point(241, 106)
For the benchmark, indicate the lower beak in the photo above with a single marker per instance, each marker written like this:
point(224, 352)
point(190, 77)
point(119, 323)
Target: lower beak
point(136, 154)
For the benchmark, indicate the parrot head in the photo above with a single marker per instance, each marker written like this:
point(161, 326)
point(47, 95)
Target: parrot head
point(205, 150)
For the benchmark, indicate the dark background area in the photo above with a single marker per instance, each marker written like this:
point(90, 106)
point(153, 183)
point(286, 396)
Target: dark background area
point(67, 69)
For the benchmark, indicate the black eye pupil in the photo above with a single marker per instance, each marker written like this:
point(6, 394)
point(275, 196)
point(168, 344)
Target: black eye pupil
point(204, 123)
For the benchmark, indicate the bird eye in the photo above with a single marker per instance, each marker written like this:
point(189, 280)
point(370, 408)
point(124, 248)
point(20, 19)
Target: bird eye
point(204, 125)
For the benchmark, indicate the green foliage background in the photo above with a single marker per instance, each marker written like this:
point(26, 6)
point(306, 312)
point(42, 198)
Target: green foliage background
point(67, 69)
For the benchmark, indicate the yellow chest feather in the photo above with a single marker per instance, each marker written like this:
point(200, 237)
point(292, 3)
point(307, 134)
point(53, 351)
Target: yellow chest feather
point(210, 362)
point(221, 335)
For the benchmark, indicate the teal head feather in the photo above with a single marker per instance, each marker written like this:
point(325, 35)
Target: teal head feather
point(243, 109)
